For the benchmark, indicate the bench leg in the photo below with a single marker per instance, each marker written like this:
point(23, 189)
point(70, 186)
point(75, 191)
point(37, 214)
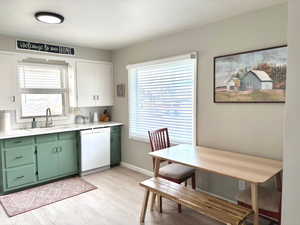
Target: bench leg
point(144, 208)
point(153, 201)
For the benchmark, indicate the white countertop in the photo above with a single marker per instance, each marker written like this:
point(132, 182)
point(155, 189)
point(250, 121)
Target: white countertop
point(55, 129)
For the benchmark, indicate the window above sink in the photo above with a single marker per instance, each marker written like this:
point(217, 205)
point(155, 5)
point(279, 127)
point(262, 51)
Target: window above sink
point(42, 86)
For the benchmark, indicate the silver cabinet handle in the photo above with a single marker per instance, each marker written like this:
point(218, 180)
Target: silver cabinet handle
point(19, 157)
point(13, 98)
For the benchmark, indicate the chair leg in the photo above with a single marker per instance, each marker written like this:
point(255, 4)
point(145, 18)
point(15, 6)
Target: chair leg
point(179, 208)
point(194, 182)
point(160, 204)
point(144, 208)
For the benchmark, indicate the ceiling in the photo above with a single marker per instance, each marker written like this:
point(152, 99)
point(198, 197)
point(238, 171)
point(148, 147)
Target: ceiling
point(113, 24)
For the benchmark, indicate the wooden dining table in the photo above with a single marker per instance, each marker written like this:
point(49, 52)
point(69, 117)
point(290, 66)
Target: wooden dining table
point(252, 169)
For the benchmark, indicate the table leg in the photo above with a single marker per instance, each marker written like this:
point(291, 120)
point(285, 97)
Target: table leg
point(156, 172)
point(278, 181)
point(254, 198)
point(157, 165)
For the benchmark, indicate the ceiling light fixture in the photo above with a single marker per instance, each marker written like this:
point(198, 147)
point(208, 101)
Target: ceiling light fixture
point(49, 17)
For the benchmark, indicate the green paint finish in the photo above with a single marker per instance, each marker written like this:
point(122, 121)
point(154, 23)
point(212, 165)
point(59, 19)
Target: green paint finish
point(17, 142)
point(19, 156)
point(68, 160)
point(67, 135)
point(46, 138)
point(19, 176)
point(115, 146)
point(57, 157)
point(47, 160)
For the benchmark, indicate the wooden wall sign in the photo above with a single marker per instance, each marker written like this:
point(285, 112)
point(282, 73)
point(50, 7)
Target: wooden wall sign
point(40, 47)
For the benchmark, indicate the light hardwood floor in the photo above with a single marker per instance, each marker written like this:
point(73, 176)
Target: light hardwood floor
point(117, 201)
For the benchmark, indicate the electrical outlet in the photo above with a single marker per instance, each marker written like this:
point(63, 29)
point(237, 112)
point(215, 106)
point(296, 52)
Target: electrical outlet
point(242, 185)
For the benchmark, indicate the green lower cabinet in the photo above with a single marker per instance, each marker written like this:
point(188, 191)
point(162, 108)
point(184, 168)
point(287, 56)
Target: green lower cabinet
point(68, 160)
point(57, 158)
point(47, 160)
point(115, 146)
point(28, 161)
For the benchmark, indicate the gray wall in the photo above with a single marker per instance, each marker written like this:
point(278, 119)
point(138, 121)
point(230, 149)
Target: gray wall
point(254, 129)
point(291, 156)
point(9, 44)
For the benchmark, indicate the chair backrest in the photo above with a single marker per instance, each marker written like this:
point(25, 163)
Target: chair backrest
point(159, 139)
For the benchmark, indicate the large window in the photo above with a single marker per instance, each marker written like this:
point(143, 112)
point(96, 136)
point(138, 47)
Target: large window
point(163, 94)
point(42, 87)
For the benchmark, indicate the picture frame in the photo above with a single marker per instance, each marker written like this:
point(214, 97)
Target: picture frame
point(257, 76)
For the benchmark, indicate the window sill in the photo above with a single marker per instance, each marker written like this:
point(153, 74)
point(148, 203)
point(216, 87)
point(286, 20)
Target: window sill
point(146, 140)
point(139, 139)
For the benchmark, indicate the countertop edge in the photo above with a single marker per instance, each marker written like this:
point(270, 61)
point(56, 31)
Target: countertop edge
point(60, 129)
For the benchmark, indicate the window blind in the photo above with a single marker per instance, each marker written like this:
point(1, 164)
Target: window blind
point(38, 77)
point(163, 95)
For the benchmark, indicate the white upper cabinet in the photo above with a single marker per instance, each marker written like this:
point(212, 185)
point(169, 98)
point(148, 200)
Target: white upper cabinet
point(8, 81)
point(94, 84)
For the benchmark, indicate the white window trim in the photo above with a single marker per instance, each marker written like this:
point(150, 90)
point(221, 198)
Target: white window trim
point(194, 93)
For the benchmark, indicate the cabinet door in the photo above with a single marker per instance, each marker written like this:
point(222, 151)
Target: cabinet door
point(8, 74)
point(104, 87)
point(86, 83)
point(47, 160)
point(68, 160)
point(94, 84)
point(115, 146)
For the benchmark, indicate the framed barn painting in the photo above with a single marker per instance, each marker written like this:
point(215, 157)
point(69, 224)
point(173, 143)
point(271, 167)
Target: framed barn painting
point(257, 76)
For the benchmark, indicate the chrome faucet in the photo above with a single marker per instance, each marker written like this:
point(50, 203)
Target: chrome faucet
point(48, 114)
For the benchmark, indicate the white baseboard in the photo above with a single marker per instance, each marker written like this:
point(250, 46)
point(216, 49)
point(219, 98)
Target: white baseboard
point(137, 169)
point(150, 173)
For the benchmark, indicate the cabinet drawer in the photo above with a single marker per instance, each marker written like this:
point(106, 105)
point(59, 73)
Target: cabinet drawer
point(46, 138)
point(16, 142)
point(19, 156)
point(67, 136)
point(20, 176)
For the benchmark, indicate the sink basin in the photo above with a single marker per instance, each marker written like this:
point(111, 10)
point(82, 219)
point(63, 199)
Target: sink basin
point(48, 128)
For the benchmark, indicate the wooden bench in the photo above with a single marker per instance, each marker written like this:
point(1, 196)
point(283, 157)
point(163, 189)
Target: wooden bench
point(215, 208)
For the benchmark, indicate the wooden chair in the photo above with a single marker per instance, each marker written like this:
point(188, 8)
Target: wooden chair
point(159, 139)
point(269, 201)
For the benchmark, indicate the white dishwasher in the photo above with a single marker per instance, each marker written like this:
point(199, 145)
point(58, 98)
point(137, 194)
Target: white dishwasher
point(95, 149)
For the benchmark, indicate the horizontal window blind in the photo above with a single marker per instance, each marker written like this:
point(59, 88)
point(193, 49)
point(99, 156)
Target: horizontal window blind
point(162, 95)
point(37, 77)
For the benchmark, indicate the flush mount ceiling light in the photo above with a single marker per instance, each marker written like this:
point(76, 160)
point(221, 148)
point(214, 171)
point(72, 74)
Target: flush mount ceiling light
point(49, 17)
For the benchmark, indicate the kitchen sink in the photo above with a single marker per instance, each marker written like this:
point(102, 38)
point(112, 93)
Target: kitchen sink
point(48, 128)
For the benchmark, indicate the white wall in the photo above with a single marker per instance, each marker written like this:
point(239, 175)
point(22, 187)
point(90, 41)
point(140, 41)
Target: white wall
point(291, 156)
point(254, 129)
